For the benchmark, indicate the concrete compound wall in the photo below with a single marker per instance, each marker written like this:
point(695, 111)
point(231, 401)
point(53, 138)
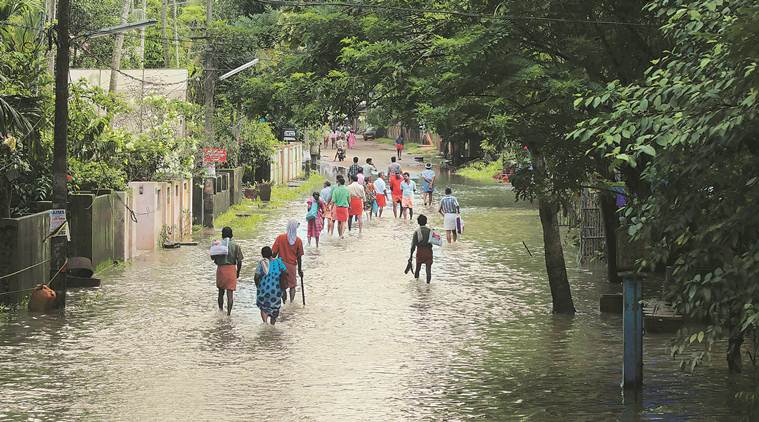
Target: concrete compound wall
point(287, 163)
point(212, 196)
point(23, 246)
point(162, 207)
point(91, 222)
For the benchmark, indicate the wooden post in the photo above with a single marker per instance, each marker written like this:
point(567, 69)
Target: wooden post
point(632, 321)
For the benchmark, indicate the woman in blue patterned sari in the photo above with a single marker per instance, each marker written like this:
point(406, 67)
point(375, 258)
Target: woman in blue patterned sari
point(269, 274)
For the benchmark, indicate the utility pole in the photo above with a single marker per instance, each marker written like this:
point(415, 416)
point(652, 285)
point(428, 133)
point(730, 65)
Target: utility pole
point(118, 46)
point(58, 244)
point(165, 34)
point(210, 77)
point(144, 14)
point(176, 35)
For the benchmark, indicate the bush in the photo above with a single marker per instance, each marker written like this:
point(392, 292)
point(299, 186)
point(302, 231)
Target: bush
point(95, 175)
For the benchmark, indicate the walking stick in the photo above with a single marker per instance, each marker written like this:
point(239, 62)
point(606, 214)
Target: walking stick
point(302, 290)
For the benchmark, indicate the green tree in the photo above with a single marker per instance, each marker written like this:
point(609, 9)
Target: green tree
point(689, 132)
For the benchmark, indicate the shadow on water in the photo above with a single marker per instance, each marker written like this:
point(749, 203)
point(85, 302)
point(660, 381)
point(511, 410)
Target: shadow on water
point(478, 343)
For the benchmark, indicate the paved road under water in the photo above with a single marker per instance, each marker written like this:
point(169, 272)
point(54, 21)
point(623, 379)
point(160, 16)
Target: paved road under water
point(479, 343)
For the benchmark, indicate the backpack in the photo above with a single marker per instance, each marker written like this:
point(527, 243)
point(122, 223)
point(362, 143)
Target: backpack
point(433, 239)
point(313, 211)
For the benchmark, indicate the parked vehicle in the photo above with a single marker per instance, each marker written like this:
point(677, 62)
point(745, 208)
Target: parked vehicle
point(370, 134)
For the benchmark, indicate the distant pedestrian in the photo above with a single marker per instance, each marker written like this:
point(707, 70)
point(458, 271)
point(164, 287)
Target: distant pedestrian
point(354, 168)
point(399, 142)
point(315, 217)
point(358, 197)
point(370, 203)
point(341, 200)
point(393, 168)
point(420, 243)
point(408, 188)
point(289, 247)
point(269, 277)
point(450, 210)
point(329, 208)
point(227, 267)
point(428, 184)
point(315, 152)
point(351, 138)
point(380, 190)
point(333, 138)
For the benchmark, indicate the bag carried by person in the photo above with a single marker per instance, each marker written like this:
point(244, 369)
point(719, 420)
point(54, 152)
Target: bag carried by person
point(219, 247)
point(312, 212)
point(459, 225)
point(433, 239)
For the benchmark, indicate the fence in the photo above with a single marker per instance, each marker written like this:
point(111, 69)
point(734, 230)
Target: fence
point(592, 234)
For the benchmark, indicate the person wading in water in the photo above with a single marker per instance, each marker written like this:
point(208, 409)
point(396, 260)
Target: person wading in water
point(358, 197)
point(289, 247)
point(380, 190)
point(420, 243)
point(450, 210)
point(428, 184)
point(270, 275)
point(341, 200)
point(408, 187)
point(228, 269)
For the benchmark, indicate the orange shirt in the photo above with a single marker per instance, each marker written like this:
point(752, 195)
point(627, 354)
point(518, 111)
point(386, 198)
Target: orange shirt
point(395, 186)
point(288, 253)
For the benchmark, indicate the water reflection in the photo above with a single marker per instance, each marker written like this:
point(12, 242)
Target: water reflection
point(479, 343)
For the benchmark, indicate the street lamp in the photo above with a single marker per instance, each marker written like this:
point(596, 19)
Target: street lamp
point(118, 28)
point(238, 69)
point(58, 246)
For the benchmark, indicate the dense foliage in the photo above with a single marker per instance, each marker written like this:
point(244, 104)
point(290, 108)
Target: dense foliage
point(690, 132)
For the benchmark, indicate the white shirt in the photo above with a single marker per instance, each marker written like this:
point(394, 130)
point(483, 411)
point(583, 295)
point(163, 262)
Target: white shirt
point(357, 190)
point(380, 187)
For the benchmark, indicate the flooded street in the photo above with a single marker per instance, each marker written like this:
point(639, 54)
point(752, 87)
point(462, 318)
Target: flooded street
point(372, 344)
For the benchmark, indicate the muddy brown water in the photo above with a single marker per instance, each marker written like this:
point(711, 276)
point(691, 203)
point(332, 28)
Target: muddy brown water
point(372, 344)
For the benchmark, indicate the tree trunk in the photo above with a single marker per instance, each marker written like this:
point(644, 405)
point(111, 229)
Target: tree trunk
point(165, 34)
point(611, 222)
point(734, 361)
point(58, 244)
point(118, 45)
point(50, 10)
point(554, 256)
point(5, 197)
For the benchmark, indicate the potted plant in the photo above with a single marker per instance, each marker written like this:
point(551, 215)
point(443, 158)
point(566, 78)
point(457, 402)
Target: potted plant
point(264, 190)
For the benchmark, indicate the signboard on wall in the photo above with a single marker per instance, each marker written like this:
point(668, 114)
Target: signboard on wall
point(214, 155)
point(289, 135)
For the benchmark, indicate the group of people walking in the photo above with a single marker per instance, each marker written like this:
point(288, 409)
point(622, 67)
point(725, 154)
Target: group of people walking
point(364, 191)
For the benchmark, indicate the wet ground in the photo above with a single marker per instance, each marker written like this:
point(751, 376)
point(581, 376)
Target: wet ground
point(372, 344)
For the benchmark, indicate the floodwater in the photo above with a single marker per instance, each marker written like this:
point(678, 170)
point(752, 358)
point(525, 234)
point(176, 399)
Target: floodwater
point(372, 344)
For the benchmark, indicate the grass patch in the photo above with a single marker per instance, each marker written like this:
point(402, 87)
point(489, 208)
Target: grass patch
point(480, 171)
point(245, 218)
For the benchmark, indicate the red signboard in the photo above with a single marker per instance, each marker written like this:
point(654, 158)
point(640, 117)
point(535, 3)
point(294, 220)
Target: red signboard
point(214, 155)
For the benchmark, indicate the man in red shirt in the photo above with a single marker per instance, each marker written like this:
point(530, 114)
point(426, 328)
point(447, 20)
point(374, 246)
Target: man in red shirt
point(395, 188)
